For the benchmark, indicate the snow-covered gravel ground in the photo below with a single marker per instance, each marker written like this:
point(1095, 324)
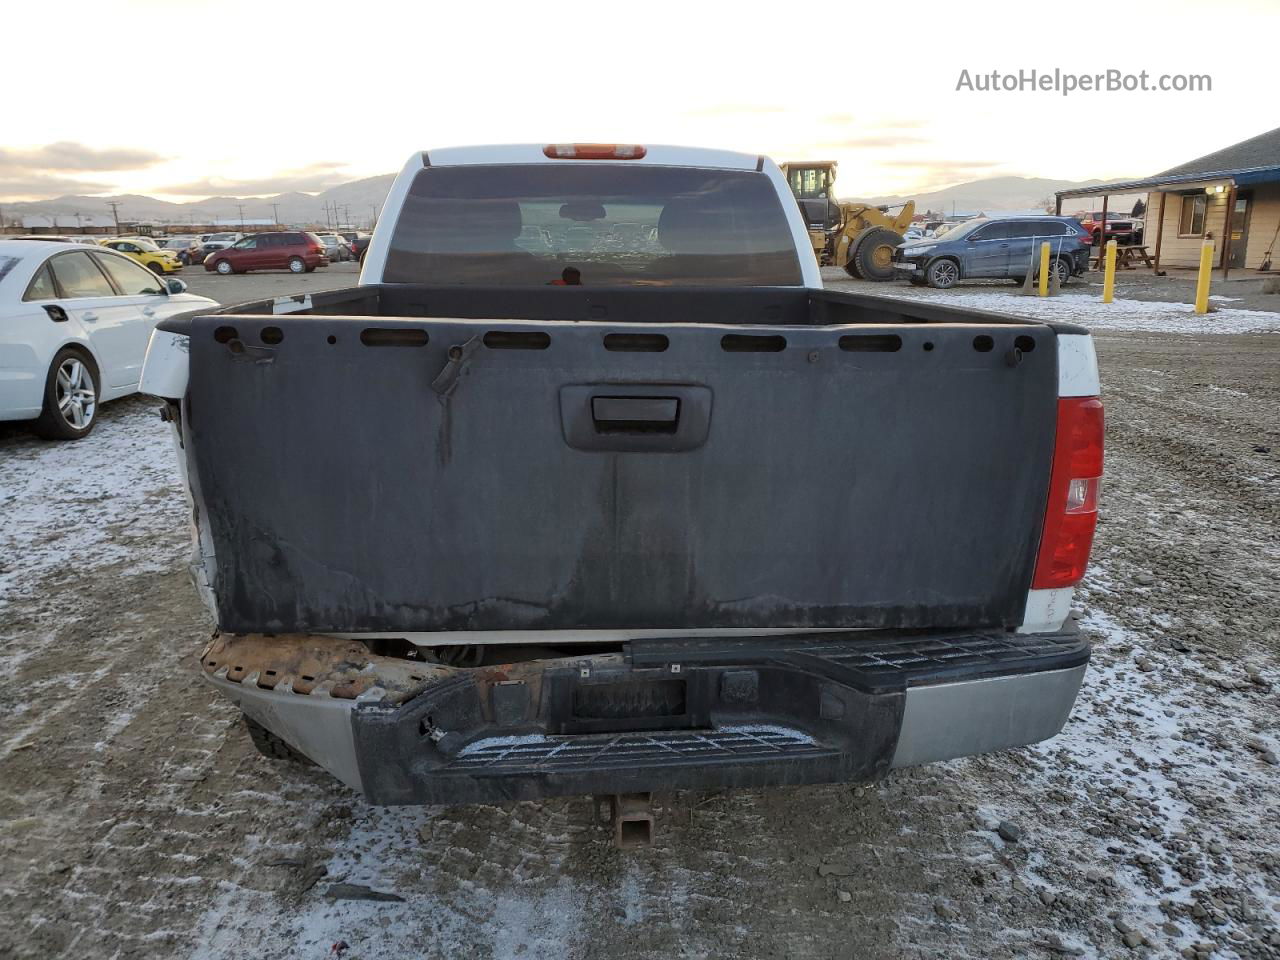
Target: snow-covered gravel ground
point(47, 490)
point(1088, 309)
point(137, 821)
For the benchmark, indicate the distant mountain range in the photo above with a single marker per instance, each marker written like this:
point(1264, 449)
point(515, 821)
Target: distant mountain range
point(1002, 193)
point(357, 201)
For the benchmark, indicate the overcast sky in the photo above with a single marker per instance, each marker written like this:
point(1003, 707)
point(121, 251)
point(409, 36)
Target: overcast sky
point(190, 99)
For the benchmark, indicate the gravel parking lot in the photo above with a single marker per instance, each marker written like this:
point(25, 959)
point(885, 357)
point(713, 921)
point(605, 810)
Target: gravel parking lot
point(243, 287)
point(136, 820)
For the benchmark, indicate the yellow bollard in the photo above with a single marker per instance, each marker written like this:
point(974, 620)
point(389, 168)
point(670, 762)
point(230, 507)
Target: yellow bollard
point(1202, 283)
point(1109, 275)
point(1044, 269)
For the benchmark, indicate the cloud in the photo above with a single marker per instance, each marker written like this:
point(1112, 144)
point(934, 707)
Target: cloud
point(42, 187)
point(947, 166)
point(309, 179)
point(877, 142)
point(66, 156)
point(734, 109)
point(850, 120)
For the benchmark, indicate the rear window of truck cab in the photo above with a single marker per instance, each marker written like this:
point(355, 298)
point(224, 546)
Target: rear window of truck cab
point(592, 224)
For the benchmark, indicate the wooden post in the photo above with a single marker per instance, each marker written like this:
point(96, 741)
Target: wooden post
point(1159, 233)
point(1226, 229)
point(1057, 206)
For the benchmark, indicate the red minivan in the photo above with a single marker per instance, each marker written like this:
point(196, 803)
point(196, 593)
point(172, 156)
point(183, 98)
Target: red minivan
point(296, 252)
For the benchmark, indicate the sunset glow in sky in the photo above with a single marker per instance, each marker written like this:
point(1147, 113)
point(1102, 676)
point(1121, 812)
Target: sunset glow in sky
point(191, 99)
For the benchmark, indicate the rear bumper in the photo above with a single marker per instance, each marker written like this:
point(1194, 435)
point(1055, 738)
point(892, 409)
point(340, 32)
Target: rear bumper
point(660, 715)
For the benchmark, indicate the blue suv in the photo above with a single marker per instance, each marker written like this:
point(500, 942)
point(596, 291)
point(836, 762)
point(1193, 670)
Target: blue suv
point(1007, 247)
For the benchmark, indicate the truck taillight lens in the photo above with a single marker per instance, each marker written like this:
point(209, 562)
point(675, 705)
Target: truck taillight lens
point(594, 151)
point(1072, 514)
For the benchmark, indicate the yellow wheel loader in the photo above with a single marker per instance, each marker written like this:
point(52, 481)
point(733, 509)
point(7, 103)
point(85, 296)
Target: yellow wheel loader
point(857, 236)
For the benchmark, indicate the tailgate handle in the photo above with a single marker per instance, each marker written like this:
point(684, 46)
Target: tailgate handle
point(635, 417)
point(635, 414)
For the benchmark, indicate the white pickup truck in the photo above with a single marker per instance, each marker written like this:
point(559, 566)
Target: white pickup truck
point(589, 487)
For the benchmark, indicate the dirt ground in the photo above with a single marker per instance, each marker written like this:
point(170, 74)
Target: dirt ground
point(136, 820)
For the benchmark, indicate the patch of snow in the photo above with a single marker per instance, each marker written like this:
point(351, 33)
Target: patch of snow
point(528, 918)
point(113, 497)
point(1088, 310)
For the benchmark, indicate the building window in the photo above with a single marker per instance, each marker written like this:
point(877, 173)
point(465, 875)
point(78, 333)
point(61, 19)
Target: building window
point(1191, 220)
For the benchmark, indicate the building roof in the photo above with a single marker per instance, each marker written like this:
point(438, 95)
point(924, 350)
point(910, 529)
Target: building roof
point(1256, 160)
point(35, 221)
point(1260, 151)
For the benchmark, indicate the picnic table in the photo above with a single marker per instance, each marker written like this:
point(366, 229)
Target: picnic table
point(1127, 257)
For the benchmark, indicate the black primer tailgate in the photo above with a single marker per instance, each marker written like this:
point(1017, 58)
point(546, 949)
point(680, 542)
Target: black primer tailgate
point(561, 474)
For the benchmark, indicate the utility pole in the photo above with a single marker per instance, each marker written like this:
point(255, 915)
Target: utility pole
point(373, 220)
point(346, 215)
point(240, 207)
point(275, 213)
point(115, 212)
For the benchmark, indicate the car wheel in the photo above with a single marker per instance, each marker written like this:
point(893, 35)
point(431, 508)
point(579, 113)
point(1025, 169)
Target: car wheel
point(943, 274)
point(224, 267)
point(156, 268)
point(70, 397)
point(1062, 267)
point(297, 265)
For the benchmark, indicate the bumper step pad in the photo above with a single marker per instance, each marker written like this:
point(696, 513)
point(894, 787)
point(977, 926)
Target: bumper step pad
point(537, 752)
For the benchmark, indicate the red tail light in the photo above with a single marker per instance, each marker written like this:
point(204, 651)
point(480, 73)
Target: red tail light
point(1072, 514)
point(594, 151)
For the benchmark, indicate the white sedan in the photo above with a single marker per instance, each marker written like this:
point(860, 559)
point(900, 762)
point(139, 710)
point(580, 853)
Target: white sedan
point(74, 328)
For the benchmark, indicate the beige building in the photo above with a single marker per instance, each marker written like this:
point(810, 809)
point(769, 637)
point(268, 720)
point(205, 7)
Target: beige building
point(1231, 196)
